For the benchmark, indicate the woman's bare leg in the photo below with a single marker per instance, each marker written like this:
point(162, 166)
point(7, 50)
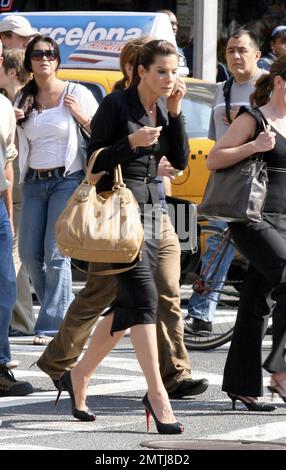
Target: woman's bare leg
point(144, 339)
point(100, 345)
point(278, 380)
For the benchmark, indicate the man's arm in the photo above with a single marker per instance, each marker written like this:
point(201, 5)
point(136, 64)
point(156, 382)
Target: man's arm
point(11, 154)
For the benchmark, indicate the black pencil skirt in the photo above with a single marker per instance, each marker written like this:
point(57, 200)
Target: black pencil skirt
point(137, 297)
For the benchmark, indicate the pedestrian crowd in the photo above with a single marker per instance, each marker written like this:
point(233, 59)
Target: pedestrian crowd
point(139, 126)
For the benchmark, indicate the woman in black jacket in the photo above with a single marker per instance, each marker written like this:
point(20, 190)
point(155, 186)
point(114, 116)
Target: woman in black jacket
point(136, 127)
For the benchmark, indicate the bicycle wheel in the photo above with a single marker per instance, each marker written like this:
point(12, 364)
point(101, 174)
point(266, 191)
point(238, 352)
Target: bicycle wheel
point(225, 316)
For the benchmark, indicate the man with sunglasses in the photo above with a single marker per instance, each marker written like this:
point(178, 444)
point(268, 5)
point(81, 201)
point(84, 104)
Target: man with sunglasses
point(16, 32)
point(9, 386)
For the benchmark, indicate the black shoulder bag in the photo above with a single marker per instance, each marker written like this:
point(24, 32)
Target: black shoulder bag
point(237, 193)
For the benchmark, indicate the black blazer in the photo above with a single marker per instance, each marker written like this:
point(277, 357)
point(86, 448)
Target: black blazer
point(120, 114)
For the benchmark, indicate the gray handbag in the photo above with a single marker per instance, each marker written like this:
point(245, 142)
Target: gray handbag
point(237, 193)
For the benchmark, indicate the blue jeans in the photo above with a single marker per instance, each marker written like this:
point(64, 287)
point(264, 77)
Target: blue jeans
point(7, 282)
point(49, 270)
point(203, 306)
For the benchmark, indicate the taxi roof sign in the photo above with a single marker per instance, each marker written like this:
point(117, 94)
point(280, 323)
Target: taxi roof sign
point(94, 39)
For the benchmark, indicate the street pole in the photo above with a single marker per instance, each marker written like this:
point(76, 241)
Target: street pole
point(205, 39)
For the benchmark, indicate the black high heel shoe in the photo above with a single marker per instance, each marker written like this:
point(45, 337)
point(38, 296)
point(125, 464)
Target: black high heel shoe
point(275, 389)
point(162, 428)
point(251, 406)
point(65, 383)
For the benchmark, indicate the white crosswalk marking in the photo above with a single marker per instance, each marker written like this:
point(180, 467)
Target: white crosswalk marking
point(119, 383)
point(115, 395)
point(23, 447)
point(263, 432)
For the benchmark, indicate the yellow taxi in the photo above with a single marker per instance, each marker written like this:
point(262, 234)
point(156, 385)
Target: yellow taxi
point(197, 105)
point(90, 44)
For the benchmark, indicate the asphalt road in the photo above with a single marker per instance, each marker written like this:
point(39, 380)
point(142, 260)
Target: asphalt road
point(115, 394)
point(32, 422)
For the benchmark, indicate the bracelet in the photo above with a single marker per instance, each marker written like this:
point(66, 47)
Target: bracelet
point(86, 123)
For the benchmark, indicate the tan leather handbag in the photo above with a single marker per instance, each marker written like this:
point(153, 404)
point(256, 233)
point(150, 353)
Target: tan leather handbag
point(104, 227)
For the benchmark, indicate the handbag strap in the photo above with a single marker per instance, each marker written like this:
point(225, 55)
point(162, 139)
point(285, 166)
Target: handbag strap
point(258, 116)
point(226, 94)
point(85, 134)
point(261, 123)
point(118, 179)
point(89, 173)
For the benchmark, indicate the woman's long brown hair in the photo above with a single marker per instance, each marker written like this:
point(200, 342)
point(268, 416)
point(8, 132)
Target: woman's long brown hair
point(28, 100)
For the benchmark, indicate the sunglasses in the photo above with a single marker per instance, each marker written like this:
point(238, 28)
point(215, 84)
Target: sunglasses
point(38, 54)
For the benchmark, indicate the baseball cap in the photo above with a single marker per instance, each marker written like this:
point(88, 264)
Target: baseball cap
point(278, 29)
point(17, 24)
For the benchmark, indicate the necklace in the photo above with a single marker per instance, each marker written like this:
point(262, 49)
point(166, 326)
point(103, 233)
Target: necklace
point(151, 110)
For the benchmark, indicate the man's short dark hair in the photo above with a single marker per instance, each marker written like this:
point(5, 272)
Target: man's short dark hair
point(240, 32)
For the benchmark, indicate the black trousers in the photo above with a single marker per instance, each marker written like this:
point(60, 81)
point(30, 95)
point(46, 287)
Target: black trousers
point(264, 244)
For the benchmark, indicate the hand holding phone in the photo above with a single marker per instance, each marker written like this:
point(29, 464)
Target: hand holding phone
point(175, 99)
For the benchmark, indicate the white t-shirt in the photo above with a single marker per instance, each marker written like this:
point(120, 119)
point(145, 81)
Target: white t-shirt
point(239, 96)
point(35, 150)
point(47, 133)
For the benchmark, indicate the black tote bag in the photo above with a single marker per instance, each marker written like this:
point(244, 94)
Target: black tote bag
point(237, 193)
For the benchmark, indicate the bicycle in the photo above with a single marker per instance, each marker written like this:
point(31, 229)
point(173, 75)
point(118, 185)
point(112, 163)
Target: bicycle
point(202, 283)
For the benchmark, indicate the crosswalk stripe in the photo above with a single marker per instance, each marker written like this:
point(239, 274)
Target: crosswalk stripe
point(63, 427)
point(122, 382)
point(216, 379)
point(262, 432)
point(27, 447)
point(25, 374)
point(137, 384)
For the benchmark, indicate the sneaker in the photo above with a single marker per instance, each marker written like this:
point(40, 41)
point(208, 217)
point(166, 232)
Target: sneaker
point(14, 333)
point(10, 387)
point(12, 364)
point(198, 327)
